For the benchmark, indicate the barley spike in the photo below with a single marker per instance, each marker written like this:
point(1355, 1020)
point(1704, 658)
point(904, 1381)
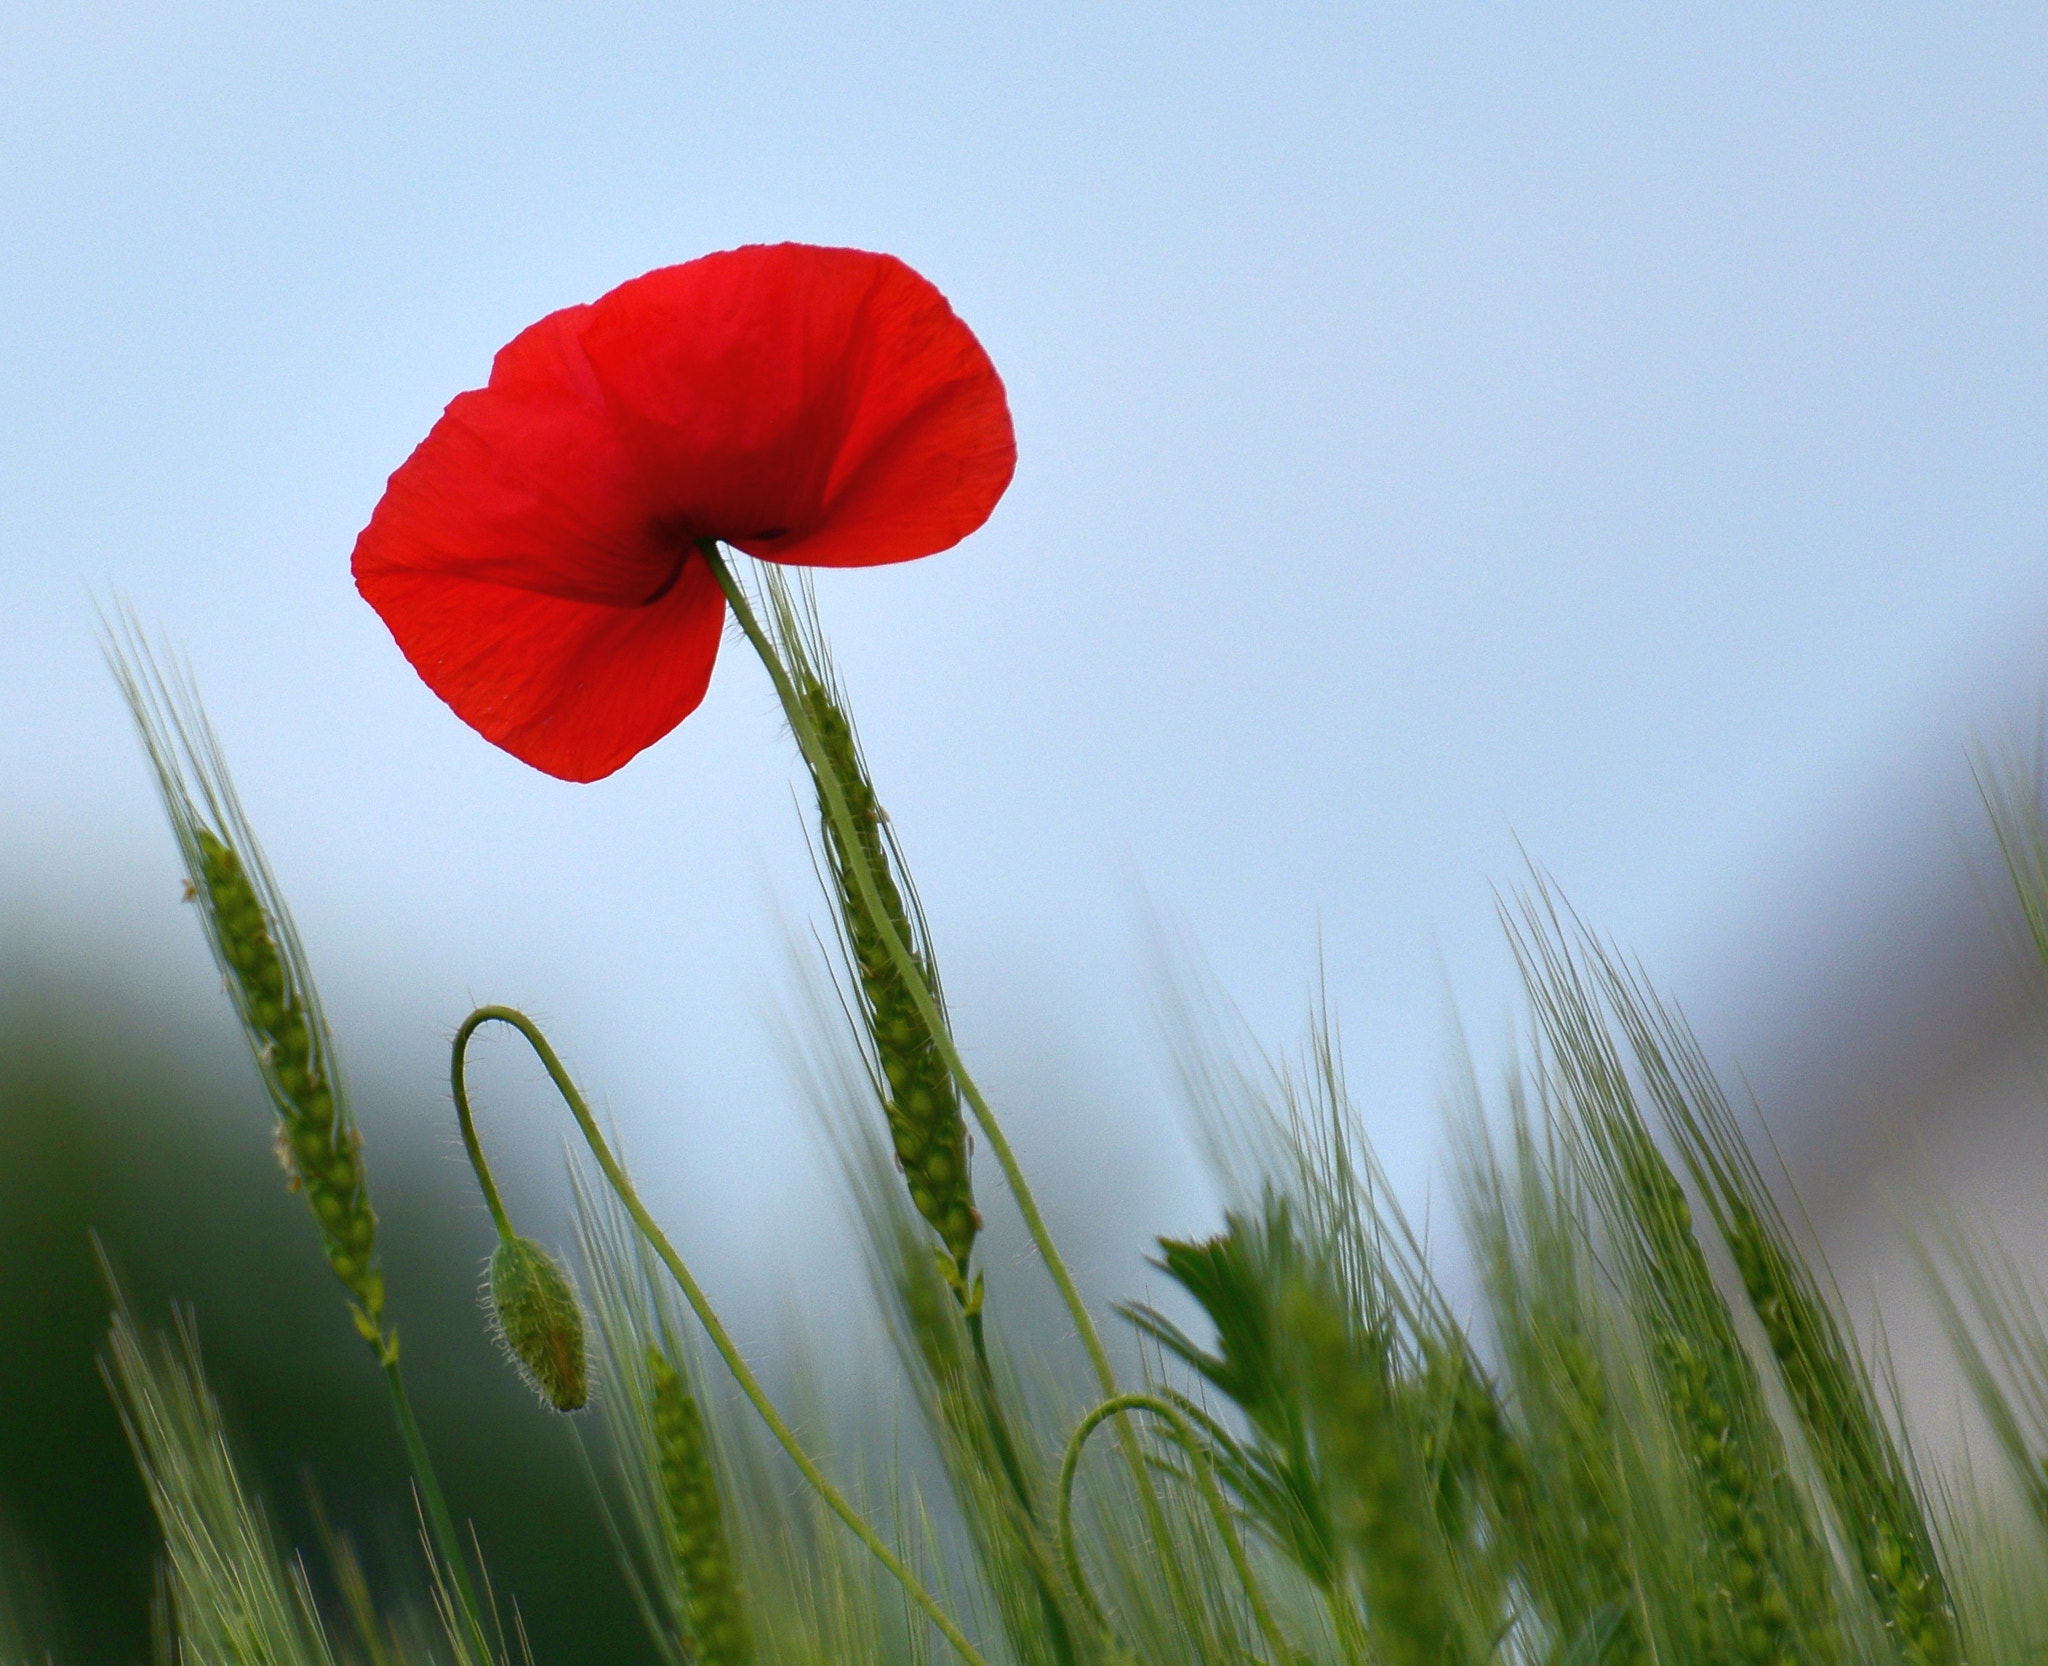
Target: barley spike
point(926, 1125)
point(696, 1522)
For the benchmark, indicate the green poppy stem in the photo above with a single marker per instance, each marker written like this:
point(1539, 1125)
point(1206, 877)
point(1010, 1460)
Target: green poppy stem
point(622, 1187)
point(913, 976)
point(935, 1023)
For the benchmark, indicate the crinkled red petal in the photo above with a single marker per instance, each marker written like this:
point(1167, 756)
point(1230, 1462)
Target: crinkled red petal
point(526, 483)
point(534, 557)
point(573, 688)
point(816, 406)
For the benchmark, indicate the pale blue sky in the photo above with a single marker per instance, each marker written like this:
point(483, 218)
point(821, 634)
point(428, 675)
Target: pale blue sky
point(1618, 428)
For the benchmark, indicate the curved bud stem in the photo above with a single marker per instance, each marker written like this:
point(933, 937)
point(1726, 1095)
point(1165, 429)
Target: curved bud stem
point(1205, 1480)
point(474, 1146)
point(622, 1187)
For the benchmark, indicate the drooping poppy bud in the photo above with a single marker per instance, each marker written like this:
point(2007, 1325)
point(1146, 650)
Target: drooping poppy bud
point(540, 1322)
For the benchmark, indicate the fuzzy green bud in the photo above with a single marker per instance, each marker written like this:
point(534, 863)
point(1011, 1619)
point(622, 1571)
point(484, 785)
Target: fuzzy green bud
point(540, 1322)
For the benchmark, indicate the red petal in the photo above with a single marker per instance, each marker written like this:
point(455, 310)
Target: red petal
point(573, 688)
point(827, 396)
point(525, 482)
point(533, 556)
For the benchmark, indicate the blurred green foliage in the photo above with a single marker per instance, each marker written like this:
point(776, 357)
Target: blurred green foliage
point(128, 1108)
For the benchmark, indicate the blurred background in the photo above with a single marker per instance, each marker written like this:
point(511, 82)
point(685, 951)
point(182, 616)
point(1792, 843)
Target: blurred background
point(1597, 437)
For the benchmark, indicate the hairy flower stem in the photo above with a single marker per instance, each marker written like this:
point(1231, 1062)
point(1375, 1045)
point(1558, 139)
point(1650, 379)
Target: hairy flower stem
point(906, 965)
point(622, 1187)
point(914, 980)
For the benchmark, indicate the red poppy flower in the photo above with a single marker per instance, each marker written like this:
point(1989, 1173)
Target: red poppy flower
point(536, 557)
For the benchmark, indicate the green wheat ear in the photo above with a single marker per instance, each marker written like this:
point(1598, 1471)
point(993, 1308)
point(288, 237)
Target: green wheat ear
point(320, 1151)
point(696, 1523)
point(227, 1591)
point(1382, 1508)
point(540, 1322)
point(1866, 1476)
point(1773, 1599)
point(264, 971)
point(926, 1125)
point(921, 1100)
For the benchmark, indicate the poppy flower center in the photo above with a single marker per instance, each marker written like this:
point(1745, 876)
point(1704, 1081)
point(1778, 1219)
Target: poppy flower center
point(685, 547)
point(662, 589)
